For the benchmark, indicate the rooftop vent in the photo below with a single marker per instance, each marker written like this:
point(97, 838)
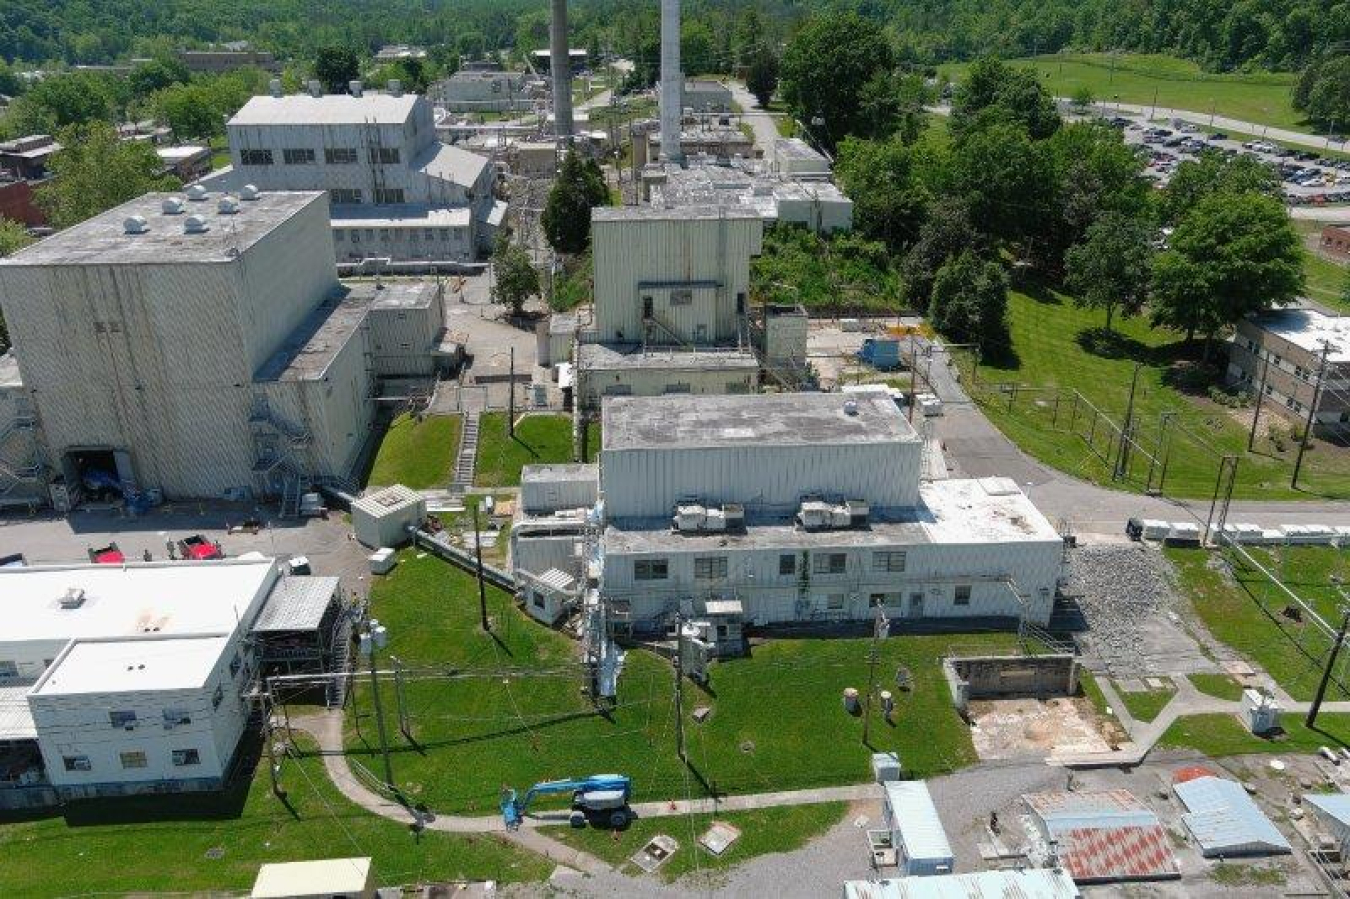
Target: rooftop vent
point(194, 224)
point(274, 87)
point(249, 192)
point(172, 205)
point(73, 599)
point(354, 88)
point(196, 193)
point(395, 87)
point(227, 206)
point(851, 407)
point(315, 89)
point(135, 224)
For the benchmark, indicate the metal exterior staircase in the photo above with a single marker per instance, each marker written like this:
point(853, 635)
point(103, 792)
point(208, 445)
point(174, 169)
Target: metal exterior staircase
point(467, 460)
point(22, 461)
point(279, 446)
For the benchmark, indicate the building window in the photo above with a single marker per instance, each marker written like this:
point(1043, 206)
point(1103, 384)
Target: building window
point(619, 390)
point(884, 599)
point(888, 561)
point(681, 297)
point(538, 600)
point(122, 719)
point(183, 757)
point(829, 563)
point(300, 156)
point(235, 664)
point(962, 594)
point(428, 234)
point(77, 763)
point(385, 196)
point(9, 669)
point(350, 196)
point(356, 235)
point(370, 234)
point(133, 759)
point(384, 155)
point(217, 697)
point(255, 157)
point(176, 717)
point(339, 155)
point(677, 388)
point(339, 235)
point(710, 568)
point(835, 601)
point(651, 569)
point(787, 564)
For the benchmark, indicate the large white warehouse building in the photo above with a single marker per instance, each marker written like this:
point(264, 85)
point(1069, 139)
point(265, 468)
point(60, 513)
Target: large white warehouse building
point(197, 347)
point(783, 508)
point(130, 678)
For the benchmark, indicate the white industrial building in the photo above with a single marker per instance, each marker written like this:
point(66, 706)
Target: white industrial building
point(1016, 883)
point(785, 508)
point(397, 191)
point(478, 91)
point(133, 678)
point(198, 347)
point(672, 313)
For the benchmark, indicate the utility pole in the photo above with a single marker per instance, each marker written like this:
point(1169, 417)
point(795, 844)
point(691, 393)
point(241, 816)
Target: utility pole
point(273, 768)
point(478, 553)
point(913, 376)
point(401, 699)
point(375, 638)
point(511, 397)
point(679, 691)
point(880, 628)
point(1123, 457)
point(1312, 410)
point(1260, 396)
point(1326, 673)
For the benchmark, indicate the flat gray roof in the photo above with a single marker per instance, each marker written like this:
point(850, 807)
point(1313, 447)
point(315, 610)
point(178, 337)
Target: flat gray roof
point(612, 357)
point(296, 604)
point(103, 240)
point(1309, 330)
point(796, 148)
point(785, 419)
point(395, 294)
point(331, 109)
point(563, 472)
point(661, 214)
point(313, 345)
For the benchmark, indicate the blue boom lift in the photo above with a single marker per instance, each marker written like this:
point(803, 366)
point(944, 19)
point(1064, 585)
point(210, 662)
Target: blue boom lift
point(595, 796)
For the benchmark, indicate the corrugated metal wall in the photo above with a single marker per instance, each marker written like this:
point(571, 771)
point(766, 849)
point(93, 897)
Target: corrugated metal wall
point(401, 339)
point(646, 483)
point(654, 382)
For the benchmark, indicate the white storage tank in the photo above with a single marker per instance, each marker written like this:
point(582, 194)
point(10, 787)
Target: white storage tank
point(382, 518)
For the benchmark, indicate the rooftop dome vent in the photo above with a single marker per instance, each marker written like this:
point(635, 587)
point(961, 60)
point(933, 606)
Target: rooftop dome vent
point(228, 205)
point(172, 205)
point(249, 192)
point(851, 407)
point(135, 224)
point(194, 224)
point(196, 193)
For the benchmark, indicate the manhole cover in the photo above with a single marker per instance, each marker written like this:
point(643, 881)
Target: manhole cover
point(215, 852)
point(748, 746)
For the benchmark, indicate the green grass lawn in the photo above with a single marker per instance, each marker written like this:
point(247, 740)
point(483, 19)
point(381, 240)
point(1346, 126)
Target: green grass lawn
point(1220, 686)
point(1094, 693)
point(160, 843)
point(776, 721)
point(1175, 83)
point(1146, 705)
point(593, 441)
point(762, 831)
point(538, 439)
point(1219, 735)
point(1244, 612)
point(1055, 343)
point(417, 454)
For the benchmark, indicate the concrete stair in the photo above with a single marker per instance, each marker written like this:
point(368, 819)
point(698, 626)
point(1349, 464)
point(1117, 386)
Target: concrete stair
point(467, 459)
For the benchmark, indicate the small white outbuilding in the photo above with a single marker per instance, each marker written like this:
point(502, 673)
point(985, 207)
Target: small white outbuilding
point(348, 877)
point(383, 518)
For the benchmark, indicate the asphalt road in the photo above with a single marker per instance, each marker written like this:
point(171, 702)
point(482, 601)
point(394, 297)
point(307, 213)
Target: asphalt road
point(760, 121)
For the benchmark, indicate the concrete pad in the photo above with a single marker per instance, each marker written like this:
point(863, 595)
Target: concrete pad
point(1131, 685)
point(1030, 728)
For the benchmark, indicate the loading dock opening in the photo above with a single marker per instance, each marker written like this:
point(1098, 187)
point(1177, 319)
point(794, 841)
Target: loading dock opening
point(98, 473)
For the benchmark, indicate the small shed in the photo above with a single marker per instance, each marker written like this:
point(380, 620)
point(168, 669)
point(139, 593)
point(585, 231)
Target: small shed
point(1225, 821)
point(1104, 836)
point(1332, 812)
point(916, 830)
point(382, 518)
point(351, 878)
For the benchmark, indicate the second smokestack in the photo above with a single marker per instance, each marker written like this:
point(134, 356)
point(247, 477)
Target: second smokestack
point(672, 82)
point(560, 65)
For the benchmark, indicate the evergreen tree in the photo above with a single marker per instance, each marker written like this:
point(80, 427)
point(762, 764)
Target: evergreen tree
point(579, 187)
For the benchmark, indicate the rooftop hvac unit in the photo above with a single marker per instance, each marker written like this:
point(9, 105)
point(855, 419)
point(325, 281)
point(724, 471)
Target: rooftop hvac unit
point(734, 514)
point(194, 224)
point(395, 87)
point(315, 89)
point(227, 206)
point(689, 516)
point(858, 511)
point(354, 88)
point(172, 206)
point(249, 192)
point(73, 599)
point(196, 193)
point(135, 224)
point(274, 87)
point(839, 516)
point(814, 514)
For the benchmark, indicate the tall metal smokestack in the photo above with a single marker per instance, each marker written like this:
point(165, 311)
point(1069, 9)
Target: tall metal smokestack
point(672, 82)
point(560, 65)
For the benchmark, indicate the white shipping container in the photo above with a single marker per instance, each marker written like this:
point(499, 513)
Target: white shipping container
point(381, 519)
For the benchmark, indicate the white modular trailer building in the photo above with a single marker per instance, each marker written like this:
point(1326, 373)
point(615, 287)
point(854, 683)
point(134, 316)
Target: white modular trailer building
point(382, 518)
point(946, 549)
point(607, 370)
point(688, 269)
point(917, 834)
point(545, 489)
point(764, 451)
point(133, 675)
point(1013, 883)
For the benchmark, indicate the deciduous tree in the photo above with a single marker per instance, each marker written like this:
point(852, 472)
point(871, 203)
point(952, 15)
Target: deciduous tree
point(94, 171)
point(1112, 267)
point(514, 278)
point(970, 301)
point(761, 75)
point(825, 68)
point(336, 67)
